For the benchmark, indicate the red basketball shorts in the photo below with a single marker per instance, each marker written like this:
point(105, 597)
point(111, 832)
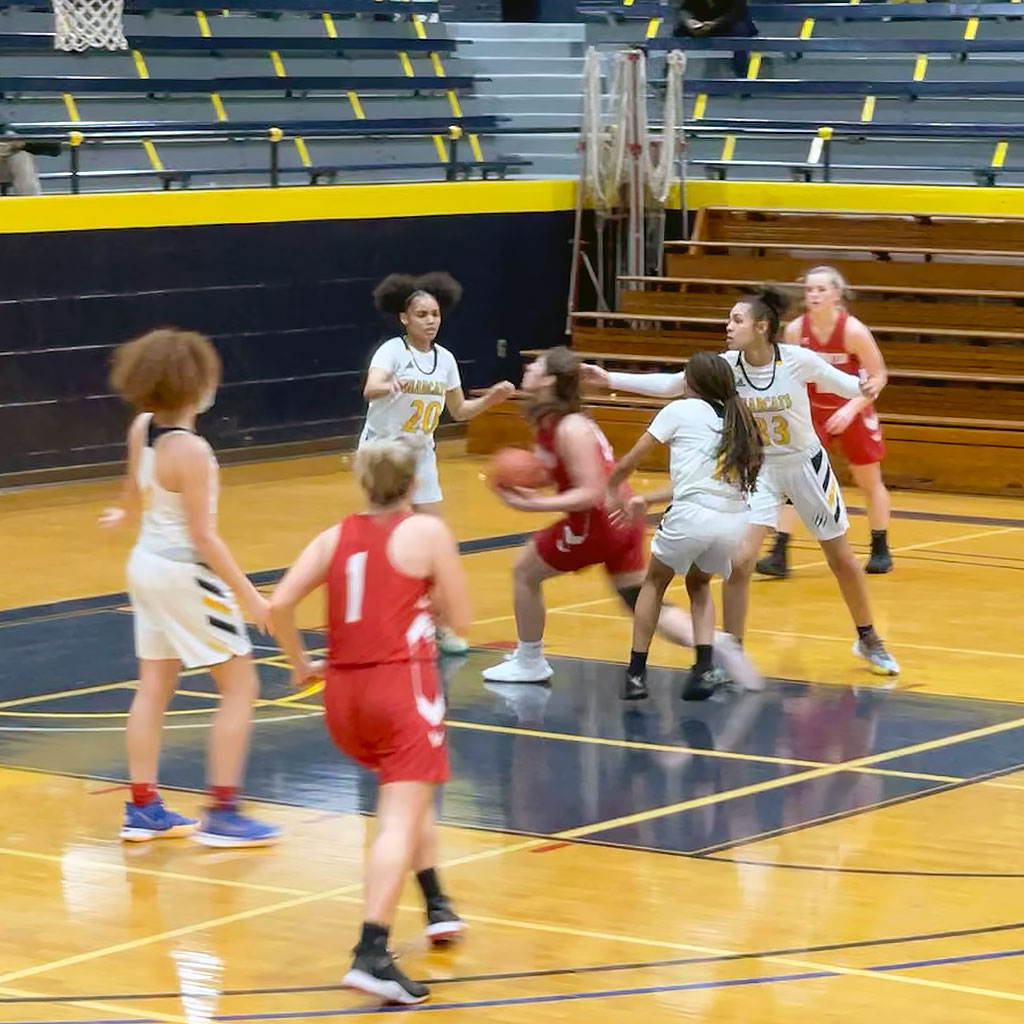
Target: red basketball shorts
point(390, 718)
point(572, 545)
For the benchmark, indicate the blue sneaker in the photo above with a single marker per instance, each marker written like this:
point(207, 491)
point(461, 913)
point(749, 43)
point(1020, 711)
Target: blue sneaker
point(154, 821)
point(224, 827)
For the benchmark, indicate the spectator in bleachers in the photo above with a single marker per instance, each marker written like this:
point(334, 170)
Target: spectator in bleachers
point(700, 18)
point(18, 168)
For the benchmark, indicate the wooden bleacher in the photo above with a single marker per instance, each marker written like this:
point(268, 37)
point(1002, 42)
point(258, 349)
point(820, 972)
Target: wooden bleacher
point(943, 295)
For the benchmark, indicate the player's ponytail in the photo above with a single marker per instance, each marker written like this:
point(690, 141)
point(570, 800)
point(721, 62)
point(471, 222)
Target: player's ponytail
point(386, 471)
point(395, 293)
point(740, 454)
point(768, 304)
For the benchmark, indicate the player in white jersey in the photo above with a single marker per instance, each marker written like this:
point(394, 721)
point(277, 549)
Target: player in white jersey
point(773, 380)
point(715, 454)
point(184, 586)
point(412, 380)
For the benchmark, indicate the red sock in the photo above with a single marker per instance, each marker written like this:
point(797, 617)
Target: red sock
point(143, 793)
point(225, 798)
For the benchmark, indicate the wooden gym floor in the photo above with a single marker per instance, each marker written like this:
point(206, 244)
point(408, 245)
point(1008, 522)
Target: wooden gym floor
point(824, 851)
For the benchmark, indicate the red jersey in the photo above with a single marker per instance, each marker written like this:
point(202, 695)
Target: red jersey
point(548, 454)
point(833, 351)
point(376, 614)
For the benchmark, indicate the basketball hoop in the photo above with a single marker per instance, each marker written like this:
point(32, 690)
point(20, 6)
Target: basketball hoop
point(88, 24)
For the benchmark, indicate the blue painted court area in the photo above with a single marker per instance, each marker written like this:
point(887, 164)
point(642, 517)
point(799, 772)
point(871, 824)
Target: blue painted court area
point(530, 759)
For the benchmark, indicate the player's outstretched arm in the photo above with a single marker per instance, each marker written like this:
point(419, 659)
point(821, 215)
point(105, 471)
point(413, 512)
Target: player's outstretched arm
point(130, 500)
point(463, 408)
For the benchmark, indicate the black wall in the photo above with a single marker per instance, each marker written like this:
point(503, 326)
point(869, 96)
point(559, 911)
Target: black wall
point(287, 304)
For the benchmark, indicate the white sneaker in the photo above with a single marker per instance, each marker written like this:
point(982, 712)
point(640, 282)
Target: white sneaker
point(730, 656)
point(518, 670)
point(449, 642)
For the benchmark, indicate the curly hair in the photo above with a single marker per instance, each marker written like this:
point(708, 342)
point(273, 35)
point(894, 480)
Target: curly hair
point(165, 370)
point(395, 293)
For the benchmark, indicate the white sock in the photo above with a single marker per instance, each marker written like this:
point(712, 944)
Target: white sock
point(530, 652)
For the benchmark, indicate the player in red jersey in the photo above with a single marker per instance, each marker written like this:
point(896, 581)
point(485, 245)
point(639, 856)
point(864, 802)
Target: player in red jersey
point(581, 460)
point(387, 570)
point(828, 329)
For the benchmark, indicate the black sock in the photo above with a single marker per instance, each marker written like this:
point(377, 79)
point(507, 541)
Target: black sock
point(703, 658)
point(864, 631)
point(429, 885)
point(781, 541)
point(373, 938)
point(879, 540)
point(637, 662)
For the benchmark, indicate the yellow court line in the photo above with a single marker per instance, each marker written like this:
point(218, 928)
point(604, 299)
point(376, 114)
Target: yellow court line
point(243, 915)
point(662, 748)
point(93, 1004)
point(761, 787)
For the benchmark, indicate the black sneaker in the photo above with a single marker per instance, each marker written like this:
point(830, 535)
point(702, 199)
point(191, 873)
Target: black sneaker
point(703, 685)
point(634, 686)
point(880, 561)
point(444, 926)
point(378, 975)
point(775, 564)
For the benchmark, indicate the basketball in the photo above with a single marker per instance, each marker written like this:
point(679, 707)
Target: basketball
point(516, 467)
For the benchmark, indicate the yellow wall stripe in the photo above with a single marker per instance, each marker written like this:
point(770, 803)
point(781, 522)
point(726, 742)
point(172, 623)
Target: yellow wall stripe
point(971, 28)
point(275, 59)
point(807, 28)
point(920, 67)
point(728, 147)
point(453, 102)
point(70, 106)
point(218, 106)
point(754, 66)
point(999, 153)
point(357, 107)
point(112, 211)
point(442, 153)
point(435, 60)
point(300, 145)
point(700, 104)
point(867, 112)
point(204, 24)
point(406, 63)
point(140, 64)
point(417, 25)
point(474, 145)
point(329, 26)
point(653, 25)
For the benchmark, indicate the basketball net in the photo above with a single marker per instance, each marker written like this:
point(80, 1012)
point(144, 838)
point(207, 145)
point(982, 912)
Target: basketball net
point(88, 24)
point(628, 167)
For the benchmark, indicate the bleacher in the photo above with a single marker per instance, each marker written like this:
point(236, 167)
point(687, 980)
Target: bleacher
point(943, 296)
point(349, 90)
point(917, 93)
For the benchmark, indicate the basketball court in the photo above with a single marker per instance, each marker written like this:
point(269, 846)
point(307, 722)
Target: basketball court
point(823, 850)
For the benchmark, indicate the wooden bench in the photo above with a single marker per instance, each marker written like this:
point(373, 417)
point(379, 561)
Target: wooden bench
point(867, 229)
point(878, 250)
point(951, 454)
point(880, 315)
point(712, 265)
point(899, 353)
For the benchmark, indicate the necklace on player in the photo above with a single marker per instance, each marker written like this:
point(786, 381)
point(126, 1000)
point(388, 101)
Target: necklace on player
point(412, 353)
point(775, 368)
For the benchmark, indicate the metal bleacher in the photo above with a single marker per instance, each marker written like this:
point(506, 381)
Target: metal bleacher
point(351, 90)
point(875, 92)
